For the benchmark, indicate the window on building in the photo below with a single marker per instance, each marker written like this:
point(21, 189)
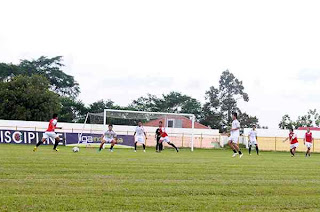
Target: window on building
point(170, 123)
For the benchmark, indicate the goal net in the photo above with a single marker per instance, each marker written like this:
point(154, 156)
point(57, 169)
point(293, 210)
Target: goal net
point(180, 127)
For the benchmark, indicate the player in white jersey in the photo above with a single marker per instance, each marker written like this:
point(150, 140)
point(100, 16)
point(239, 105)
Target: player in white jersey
point(140, 136)
point(110, 137)
point(234, 136)
point(253, 139)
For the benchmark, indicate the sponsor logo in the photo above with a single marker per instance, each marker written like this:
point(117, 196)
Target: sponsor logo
point(22, 137)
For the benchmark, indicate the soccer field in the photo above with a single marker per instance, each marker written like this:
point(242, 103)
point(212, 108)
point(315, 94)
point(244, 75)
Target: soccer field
point(204, 180)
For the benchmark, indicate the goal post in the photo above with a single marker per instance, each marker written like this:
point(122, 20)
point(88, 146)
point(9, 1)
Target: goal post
point(149, 119)
point(180, 126)
point(93, 124)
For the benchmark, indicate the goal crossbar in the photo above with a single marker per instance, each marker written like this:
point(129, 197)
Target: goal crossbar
point(145, 112)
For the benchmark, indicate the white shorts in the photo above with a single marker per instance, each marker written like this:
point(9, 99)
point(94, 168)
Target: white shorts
point(253, 143)
point(308, 144)
point(292, 146)
point(165, 139)
point(234, 139)
point(139, 139)
point(108, 140)
point(52, 135)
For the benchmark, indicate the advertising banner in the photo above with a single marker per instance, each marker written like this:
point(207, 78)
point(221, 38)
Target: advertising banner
point(24, 137)
point(33, 137)
point(89, 138)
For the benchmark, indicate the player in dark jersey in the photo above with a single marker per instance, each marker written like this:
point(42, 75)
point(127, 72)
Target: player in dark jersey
point(159, 146)
point(165, 137)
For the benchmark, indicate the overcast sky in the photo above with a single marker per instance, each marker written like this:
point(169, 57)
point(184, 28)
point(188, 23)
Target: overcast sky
point(121, 50)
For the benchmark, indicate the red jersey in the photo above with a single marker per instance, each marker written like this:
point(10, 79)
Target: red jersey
point(293, 138)
point(309, 137)
point(163, 132)
point(52, 125)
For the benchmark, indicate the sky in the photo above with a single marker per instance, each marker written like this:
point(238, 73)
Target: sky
point(121, 50)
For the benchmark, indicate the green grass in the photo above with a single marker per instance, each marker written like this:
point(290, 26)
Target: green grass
point(205, 180)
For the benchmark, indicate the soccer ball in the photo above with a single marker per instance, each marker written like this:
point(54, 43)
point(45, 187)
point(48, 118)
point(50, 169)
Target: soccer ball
point(75, 149)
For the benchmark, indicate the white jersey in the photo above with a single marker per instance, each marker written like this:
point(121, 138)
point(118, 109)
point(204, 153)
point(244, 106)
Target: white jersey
point(253, 135)
point(235, 124)
point(109, 135)
point(140, 131)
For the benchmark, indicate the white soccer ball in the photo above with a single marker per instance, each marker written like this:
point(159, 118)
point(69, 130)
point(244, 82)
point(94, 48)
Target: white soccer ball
point(75, 149)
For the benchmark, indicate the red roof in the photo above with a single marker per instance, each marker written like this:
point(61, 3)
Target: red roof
point(186, 123)
point(311, 128)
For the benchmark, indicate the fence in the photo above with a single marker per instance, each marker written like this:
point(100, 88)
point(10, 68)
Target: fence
point(183, 140)
point(202, 139)
point(277, 144)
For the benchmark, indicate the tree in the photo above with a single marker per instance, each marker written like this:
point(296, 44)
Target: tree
point(174, 102)
point(99, 106)
point(222, 101)
point(314, 117)
point(303, 121)
point(27, 98)
point(286, 122)
point(211, 114)
point(51, 68)
point(72, 110)
point(60, 82)
point(150, 103)
point(248, 121)
point(230, 90)
point(8, 71)
point(311, 119)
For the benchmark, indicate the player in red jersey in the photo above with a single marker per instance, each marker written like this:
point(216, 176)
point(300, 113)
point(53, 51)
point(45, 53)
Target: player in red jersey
point(50, 133)
point(165, 137)
point(308, 139)
point(293, 142)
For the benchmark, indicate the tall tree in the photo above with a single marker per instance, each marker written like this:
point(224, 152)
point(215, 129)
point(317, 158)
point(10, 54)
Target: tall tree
point(222, 101)
point(211, 114)
point(51, 68)
point(27, 98)
point(230, 90)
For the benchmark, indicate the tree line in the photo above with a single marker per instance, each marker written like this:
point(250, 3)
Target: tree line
point(34, 89)
point(310, 119)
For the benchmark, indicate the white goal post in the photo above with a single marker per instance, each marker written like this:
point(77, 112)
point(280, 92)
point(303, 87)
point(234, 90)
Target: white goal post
point(126, 120)
point(139, 115)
